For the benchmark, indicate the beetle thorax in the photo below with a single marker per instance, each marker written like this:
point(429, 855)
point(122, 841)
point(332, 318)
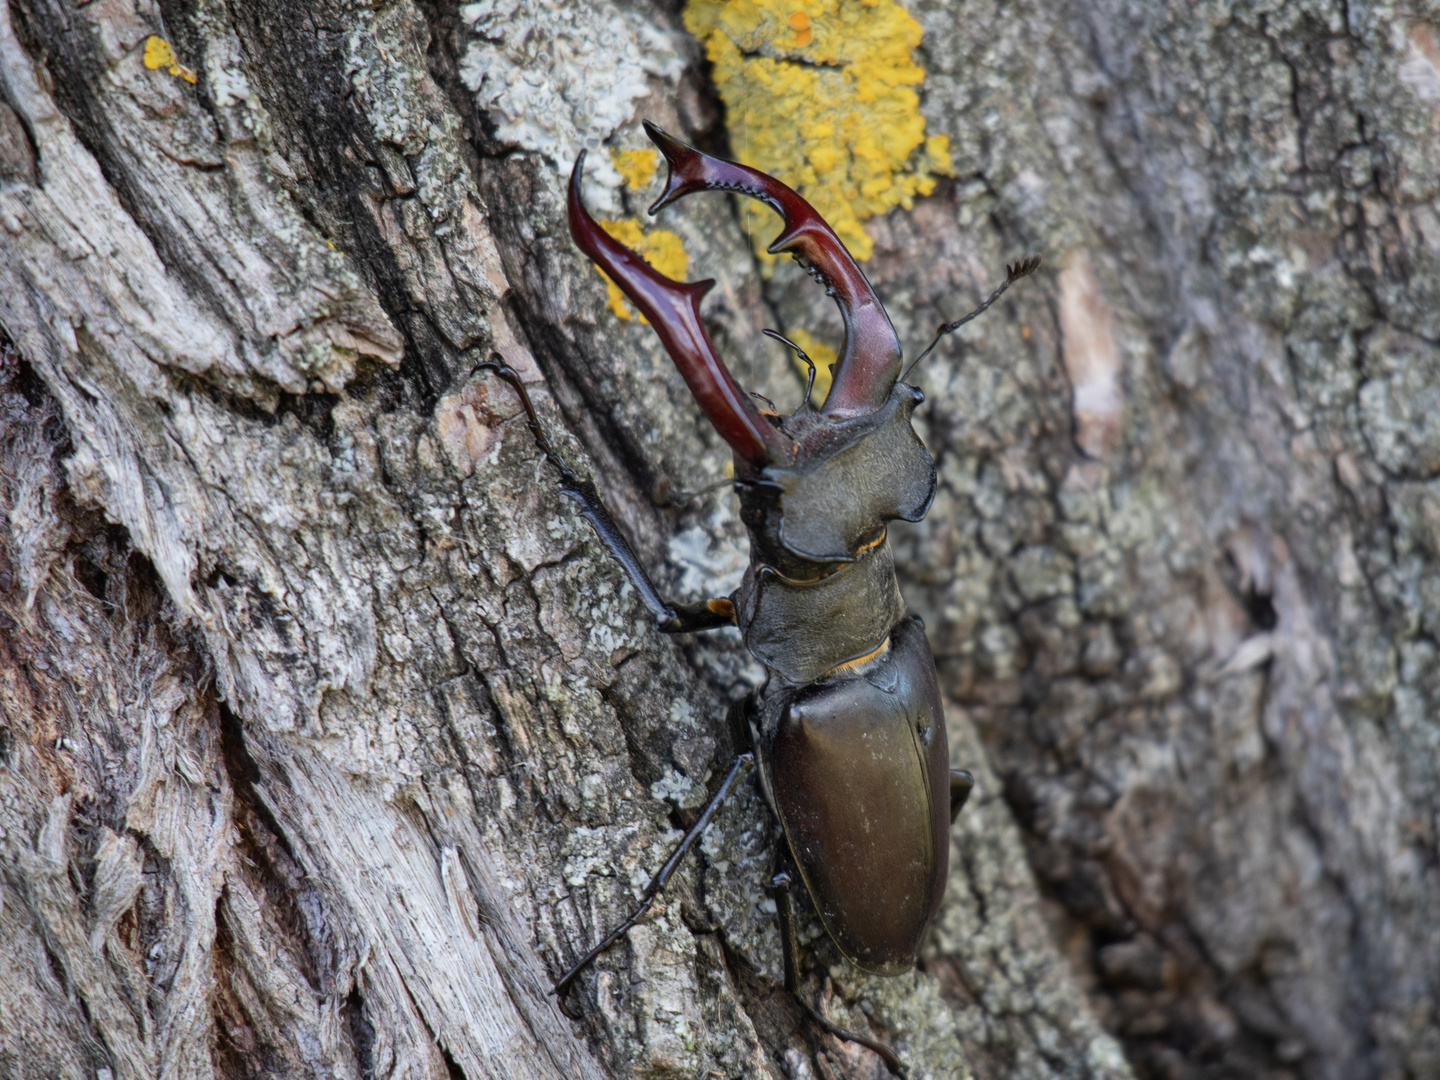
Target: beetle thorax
point(821, 586)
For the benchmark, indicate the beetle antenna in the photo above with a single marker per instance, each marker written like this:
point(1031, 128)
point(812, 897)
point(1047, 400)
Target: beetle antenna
point(1023, 268)
point(766, 400)
point(809, 364)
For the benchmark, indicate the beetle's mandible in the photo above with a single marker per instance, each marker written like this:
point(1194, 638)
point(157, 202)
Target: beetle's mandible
point(849, 731)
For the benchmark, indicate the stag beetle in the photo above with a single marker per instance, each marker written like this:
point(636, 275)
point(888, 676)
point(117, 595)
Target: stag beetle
point(849, 732)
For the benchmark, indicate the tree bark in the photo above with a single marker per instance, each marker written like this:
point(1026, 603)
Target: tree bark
point(330, 735)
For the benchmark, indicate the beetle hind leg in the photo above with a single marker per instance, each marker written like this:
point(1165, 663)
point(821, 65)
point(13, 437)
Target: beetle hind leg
point(743, 764)
point(790, 947)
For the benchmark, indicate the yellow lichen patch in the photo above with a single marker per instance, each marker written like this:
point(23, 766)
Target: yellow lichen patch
point(636, 167)
point(819, 93)
point(160, 54)
point(661, 248)
point(824, 357)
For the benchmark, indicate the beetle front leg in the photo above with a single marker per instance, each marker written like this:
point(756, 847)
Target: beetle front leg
point(704, 615)
point(790, 947)
point(669, 618)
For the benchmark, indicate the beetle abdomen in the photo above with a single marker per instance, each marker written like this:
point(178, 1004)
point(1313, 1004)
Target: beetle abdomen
point(861, 784)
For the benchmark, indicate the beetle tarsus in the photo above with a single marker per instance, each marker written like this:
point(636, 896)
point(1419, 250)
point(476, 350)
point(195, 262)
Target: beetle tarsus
point(887, 1055)
point(743, 764)
point(790, 949)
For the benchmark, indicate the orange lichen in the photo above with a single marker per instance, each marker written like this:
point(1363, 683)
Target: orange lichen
point(800, 23)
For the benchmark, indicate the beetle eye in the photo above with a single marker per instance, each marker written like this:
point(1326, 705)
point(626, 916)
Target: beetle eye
point(924, 730)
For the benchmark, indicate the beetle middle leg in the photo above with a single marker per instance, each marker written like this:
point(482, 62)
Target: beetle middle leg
point(790, 948)
point(743, 764)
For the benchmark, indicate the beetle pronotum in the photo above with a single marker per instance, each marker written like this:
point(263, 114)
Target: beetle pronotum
point(849, 731)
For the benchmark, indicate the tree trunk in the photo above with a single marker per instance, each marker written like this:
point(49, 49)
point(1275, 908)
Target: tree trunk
point(330, 735)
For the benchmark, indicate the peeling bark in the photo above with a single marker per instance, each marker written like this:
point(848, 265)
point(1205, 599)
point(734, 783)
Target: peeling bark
point(330, 736)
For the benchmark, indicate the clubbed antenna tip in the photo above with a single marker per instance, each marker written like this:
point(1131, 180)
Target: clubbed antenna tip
point(1024, 268)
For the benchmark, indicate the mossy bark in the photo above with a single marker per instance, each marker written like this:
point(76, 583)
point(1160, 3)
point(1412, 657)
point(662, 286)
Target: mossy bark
point(329, 735)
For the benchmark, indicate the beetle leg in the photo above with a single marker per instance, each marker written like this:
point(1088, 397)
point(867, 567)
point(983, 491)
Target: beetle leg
point(673, 309)
point(703, 615)
point(870, 359)
point(743, 764)
point(669, 618)
point(790, 948)
point(682, 498)
point(789, 943)
point(961, 782)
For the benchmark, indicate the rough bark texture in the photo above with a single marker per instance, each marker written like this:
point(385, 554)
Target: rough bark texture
point(329, 735)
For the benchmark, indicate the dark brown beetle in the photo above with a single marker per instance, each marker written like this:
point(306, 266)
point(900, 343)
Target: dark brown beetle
point(849, 732)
